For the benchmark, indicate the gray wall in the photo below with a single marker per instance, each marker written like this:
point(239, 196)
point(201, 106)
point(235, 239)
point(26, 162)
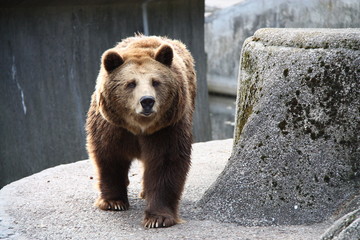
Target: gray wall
point(49, 60)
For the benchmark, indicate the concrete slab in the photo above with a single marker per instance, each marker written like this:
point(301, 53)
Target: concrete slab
point(57, 203)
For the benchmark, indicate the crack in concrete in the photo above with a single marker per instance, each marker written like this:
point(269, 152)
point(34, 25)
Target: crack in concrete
point(13, 75)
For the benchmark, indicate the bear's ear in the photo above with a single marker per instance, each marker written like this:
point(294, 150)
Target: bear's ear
point(112, 60)
point(165, 55)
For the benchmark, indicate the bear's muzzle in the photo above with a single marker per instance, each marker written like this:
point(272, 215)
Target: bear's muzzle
point(147, 103)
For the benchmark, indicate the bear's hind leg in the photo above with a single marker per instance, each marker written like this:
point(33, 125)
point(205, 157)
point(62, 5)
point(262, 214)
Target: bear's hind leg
point(113, 182)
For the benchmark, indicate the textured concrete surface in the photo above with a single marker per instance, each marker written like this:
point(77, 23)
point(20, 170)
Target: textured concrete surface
point(296, 158)
point(57, 203)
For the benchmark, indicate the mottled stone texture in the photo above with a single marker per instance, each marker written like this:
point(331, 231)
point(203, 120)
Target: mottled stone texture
point(345, 228)
point(296, 156)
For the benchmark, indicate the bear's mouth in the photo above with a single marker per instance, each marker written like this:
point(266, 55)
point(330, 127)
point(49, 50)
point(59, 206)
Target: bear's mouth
point(146, 113)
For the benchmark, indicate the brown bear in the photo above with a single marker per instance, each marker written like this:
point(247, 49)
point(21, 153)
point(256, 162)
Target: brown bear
point(142, 109)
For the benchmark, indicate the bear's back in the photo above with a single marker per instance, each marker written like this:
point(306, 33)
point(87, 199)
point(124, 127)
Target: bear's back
point(150, 44)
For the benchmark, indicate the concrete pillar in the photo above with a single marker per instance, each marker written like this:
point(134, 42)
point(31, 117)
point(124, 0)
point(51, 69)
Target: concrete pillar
point(296, 155)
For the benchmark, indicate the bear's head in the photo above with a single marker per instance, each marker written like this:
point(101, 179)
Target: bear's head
point(138, 90)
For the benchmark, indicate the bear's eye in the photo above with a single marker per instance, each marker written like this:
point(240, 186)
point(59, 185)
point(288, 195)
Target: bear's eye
point(155, 83)
point(131, 84)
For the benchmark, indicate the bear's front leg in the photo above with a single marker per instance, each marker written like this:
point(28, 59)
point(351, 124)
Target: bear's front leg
point(164, 178)
point(113, 182)
point(163, 187)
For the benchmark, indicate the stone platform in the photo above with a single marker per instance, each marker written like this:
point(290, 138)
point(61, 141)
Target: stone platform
point(57, 203)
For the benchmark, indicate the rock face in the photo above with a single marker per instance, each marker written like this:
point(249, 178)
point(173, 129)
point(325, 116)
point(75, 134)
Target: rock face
point(226, 29)
point(346, 228)
point(296, 155)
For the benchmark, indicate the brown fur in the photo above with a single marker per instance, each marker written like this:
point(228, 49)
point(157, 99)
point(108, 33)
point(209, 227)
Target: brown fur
point(118, 131)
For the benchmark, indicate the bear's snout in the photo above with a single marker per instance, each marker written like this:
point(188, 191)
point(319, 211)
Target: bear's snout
point(147, 102)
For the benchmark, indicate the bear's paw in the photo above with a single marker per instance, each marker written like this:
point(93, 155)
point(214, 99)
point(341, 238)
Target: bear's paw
point(114, 205)
point(159, 220)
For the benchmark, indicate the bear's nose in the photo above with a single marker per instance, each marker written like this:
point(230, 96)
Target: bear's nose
point(147, 102)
